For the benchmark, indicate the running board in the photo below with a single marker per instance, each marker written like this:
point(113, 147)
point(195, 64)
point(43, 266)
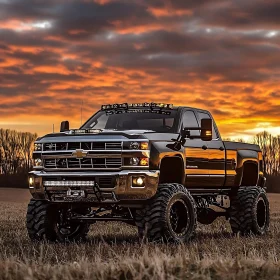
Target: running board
point(88, 219)
point(206, 191)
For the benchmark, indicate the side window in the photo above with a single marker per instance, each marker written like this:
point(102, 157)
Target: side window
point(206, 116)
point(189, 120)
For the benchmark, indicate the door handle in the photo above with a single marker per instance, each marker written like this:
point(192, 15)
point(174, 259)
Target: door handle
point(222, 149)
point(204, 147)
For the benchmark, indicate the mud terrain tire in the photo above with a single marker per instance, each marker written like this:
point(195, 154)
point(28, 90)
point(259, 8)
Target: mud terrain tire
point(39, 221)
point(42, 224)
point(249, 211)
point(170, 216)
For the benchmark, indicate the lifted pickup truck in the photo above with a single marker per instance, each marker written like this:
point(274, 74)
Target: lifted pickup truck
point(156, 166)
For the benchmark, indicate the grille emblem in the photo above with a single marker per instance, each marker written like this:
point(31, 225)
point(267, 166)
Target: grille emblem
point(80, 154)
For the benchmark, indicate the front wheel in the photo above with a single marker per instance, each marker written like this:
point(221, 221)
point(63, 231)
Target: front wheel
point(48, 222)
point(68, 231)
point(249, 211)
point(170, 216)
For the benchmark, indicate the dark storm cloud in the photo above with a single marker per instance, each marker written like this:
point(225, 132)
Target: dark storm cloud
point(35, 38)
point(206, 53)
point(243, 14)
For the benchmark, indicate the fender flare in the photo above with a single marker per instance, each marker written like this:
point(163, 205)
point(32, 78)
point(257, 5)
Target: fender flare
point(245, 157)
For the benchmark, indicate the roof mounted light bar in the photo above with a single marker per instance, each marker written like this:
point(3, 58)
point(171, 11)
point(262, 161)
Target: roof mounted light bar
point(126, 106)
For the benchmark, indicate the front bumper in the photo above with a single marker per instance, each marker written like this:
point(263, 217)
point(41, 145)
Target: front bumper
point(97, 187)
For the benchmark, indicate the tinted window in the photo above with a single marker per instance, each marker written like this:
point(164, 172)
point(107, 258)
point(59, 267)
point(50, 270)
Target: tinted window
point(207, 116)
point(133, 120)
point(189, 120)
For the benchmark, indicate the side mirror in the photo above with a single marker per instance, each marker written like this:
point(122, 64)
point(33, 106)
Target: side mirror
point(205, 134)
point(64, 126)
point(206, 130)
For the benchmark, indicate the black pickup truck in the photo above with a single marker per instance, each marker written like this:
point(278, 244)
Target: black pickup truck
point(156, 166)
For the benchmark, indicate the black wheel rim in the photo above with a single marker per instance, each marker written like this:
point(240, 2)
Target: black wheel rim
point(179, 217)
point(261, 213)
point(66, 229)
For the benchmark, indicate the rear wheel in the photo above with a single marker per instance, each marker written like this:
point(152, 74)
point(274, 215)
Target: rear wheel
point(249, 211)
point(170, 216)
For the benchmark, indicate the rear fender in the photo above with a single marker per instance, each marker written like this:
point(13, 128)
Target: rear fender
point(245, 157)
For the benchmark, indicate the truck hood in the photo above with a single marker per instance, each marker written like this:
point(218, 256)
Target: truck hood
point(94, 135)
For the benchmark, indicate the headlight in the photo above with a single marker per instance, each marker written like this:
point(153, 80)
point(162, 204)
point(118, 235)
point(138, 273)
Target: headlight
point(31, 181)
point(144, 145)
point(139, 145)
point(144, 161)
point(139, 161)
point(37, 147)
point(38, 162)
point(134, 146)
point(134, 161)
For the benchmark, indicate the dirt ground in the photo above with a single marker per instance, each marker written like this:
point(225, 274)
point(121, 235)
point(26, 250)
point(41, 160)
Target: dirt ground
point(113, 251)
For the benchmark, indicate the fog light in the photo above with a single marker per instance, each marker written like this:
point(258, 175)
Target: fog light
point(31, 181)
point(138, 181)
point(134, 161)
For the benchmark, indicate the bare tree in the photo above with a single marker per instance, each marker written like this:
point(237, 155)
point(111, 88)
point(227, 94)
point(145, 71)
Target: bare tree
point(16, 151)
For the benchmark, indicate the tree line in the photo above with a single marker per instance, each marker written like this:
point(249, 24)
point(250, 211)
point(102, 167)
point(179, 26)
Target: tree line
point(16, 150)
point(270, 146)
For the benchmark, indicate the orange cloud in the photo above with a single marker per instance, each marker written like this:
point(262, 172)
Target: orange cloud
point(202, 53)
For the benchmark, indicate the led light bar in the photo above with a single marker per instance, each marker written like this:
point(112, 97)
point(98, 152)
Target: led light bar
point(69, 183)
point(125, 106)
point(85, 131)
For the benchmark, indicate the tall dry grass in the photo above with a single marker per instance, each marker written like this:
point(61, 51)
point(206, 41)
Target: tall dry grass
point(113, 252)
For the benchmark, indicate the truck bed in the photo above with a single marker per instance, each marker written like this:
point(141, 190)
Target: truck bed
point(230, 145)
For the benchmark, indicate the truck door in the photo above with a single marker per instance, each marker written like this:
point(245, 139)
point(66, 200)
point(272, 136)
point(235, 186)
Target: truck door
point(196, 152)
point(217, 155)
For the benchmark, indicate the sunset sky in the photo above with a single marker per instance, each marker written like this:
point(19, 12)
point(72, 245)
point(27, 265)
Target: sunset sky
point(223, 56)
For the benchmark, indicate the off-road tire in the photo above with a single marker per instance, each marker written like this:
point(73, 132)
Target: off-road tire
point(154, 221)
point(39, 221)
point(249, 211)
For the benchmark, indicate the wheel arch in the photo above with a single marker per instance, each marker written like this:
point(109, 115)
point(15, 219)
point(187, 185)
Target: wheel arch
point(172, 170)
point(247, 168)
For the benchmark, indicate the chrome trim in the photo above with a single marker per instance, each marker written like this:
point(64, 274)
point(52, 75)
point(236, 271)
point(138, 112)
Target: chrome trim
point(85, 169)
point(60, 157)
point(151, 173)
point(91, 140)
point(88, 156)
point(53, 144)
point(122, 190)
point(95, 151)
point(144, 167)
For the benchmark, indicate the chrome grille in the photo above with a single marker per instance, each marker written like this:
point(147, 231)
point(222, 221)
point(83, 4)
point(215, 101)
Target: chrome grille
point(85, 163)
point(113, 146)
point(71, 146)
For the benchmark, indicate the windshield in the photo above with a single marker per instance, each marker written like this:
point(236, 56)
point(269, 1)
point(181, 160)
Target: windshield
point(133, 121)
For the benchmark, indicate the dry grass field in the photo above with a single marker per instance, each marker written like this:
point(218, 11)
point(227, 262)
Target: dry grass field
point(113, 251)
